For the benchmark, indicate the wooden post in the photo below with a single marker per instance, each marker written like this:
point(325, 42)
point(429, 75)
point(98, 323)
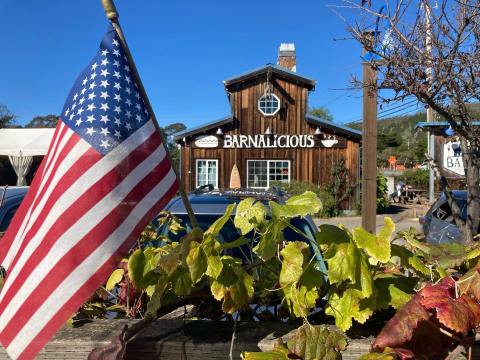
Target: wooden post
point(369, 145)
point(112, 15)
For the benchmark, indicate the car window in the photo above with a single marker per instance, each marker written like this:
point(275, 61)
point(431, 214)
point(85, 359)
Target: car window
point(7, 218)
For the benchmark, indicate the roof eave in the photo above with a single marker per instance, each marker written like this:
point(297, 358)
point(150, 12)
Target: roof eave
point(202, 128)
point(335, 127)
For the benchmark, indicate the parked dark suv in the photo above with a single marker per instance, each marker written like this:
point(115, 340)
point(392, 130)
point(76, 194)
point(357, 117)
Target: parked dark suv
point(438, 224)
point(10, 200)
point(209, 204)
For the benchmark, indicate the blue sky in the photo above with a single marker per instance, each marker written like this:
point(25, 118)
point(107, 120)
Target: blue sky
point(183, 49)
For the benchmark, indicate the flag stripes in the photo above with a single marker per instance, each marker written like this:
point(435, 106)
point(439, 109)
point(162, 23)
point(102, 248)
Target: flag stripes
point(91, 200)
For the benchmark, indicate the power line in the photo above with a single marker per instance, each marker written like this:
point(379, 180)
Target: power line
point(387, 112)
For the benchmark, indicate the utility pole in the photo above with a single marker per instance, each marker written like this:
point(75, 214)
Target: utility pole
point(430, 116)
point(369, 142)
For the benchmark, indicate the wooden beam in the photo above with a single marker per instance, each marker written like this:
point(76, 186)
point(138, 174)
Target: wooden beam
point(369, 146)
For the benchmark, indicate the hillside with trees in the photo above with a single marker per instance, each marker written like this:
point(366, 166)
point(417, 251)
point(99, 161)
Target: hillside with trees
point(397, 137)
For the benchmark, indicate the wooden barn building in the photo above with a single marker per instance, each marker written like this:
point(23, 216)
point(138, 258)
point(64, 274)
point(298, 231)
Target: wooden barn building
point(268, 136)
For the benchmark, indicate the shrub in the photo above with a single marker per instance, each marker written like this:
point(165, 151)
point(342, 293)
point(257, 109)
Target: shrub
point(329, 207)
point(418, 178)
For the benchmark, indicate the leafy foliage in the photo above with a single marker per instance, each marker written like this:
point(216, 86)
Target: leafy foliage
point(358, 288)
point(48, 121)
point(6, 117)
point(308, 343)
point(321, 112)
point(421, 327)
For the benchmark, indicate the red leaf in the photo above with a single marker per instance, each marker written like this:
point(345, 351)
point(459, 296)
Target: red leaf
point(399, 329)
point(453, 313)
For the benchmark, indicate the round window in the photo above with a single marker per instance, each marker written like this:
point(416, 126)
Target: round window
point(269, 104)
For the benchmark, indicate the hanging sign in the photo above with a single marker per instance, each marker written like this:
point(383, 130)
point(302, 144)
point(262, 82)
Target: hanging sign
point(206, 141)
point(452, 157)
point(265, 141)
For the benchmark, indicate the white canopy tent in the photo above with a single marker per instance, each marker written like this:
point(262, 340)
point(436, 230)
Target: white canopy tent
point(21, 145)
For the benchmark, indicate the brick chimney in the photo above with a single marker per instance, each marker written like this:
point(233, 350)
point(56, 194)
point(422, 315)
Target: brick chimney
point(287, 57)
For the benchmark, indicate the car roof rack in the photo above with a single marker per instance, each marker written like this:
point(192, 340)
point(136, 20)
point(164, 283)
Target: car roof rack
point(273, 193)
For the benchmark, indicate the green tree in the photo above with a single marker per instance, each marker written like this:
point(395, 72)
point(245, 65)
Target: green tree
point(7, 119)
point(321, 112)
point(168, 132)
point(48, 121)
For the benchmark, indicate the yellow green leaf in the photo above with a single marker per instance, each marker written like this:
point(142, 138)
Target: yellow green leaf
point(376, 246)
point(250, 213)
point(114, 279)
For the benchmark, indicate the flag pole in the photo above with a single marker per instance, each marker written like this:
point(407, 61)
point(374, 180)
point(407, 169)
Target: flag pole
point(112, 15)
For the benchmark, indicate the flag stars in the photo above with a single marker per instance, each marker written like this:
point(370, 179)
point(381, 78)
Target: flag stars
point(117, 86)
point(104, 131)
point(90, 107)
point(75, 97)
point(92, 85)
point(126, 68)
point(117, 97)
point(104, 95)
point(116, 52)
point(105, 62)
point(105, 52)
point(115, 42)
point(128, 90)
point(117, 134)
point(80, 111)
point(104, 72)
point(90, 131)
point(128, 114)
point(85, 81)
point(104, 119)
point(104, 83)
point(117, 109)
point(82, 100)
point(127, 79)
point(138, 106)
point(128, 126)
point(84, 90)
point(116, 63)
point(91, 96)
point(78, 122)
point(93, 76)
point(105, 144)
point(128, 102)
point(116, 74)
point(94, 66)
point(117, 121)
point(139, 118)
point(90, 119)
point(104, 107)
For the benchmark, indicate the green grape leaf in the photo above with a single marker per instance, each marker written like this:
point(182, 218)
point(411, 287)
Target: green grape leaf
point(417, 264)
point(316, 342)
point(302, 205)
point(169, 262)
point(114, 279)
point(331, 234)
point(136, 266)
point(300, 299)
point(234, 286)
point(196, 261)
point(364, 276)
point(342, 260)
point(155, 299)
point(214, 263)
point(268, 243)
point(386, 354)
point(182, 282)
point(215, 228)
point(292, 262)
point(347, 306)
point(250, 213)
point(376, 246)
point(280, 352)
point(394, 291)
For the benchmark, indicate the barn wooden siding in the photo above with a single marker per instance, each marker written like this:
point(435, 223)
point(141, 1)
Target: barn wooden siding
point(307, 164)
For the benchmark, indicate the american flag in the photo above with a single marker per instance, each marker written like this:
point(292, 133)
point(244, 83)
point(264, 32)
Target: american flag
point(105, 176)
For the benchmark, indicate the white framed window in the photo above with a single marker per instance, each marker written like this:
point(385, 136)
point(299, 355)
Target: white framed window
point(207, 172)
point(269, 104)
point(262, 173)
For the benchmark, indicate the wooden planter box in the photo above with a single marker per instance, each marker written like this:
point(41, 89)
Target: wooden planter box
point(176, 339)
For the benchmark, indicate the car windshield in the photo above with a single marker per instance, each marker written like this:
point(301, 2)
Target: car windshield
point(444, 212)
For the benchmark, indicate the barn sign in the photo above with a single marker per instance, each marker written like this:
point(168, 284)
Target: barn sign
point(266, 141)
point(452, 157)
